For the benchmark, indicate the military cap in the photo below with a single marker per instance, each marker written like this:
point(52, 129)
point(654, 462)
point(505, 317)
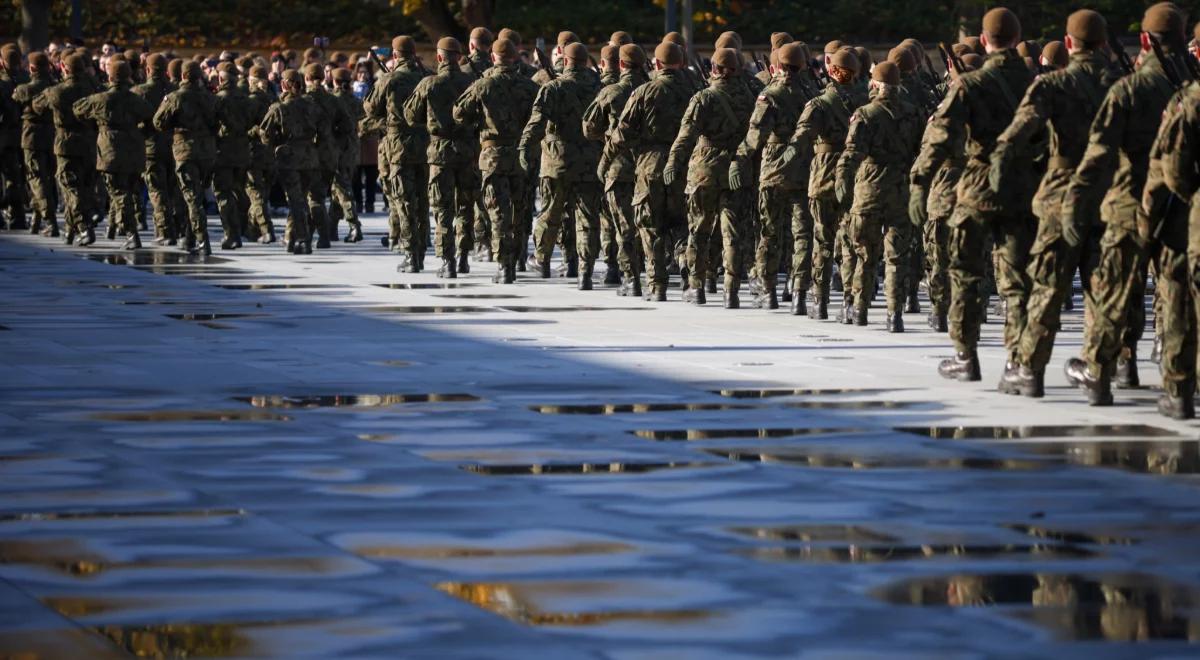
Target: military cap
point(609, 54)
point(576, 52)
point(675, 38)
point(39, 60)
point(633, 55)
point(75, 64)
point(961, 49)
point(342, 74)
point(289, 54)
point(449, 44)
point(1002, 25)
point(506, 49)
point(726, 58)
point(780, 39)
point(902, 57)
point(314, 71)
point(312, 54)
point(258, 71)
point(728, 40)
point(119, 71)
point(8, 46)
point(668, 53)
point(293, 77)
point(975, 45)
point(792, 55)
point(510, 34)
point(227, 68)
point(833, 47)
point(338, 57)
point(192, 71)
point(1163, 18)
point(864, 57)
point(404, 45)
point(132, 56)
point(175, 69)
point(1196, 32)
point(620, 38)
point(1056, 54)
point(245, 62)
point(156, 62)
point(887, 73)
point(773, 58)
point(12, 57)
point(1087, 26)
point(1029, 49)
point(972, 61)
point(567, 37)
point(845, 59)
point(482, 35)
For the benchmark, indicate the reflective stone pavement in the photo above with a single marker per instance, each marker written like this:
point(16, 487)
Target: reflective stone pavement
point(264, 455)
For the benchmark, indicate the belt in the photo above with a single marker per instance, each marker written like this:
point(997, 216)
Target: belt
point(826, 148)
point(1063, 163)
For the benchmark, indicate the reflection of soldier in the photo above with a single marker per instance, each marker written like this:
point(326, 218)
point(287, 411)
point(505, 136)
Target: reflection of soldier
point(12, 178)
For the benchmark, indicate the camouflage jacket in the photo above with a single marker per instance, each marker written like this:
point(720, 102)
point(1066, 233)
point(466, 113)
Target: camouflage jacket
point(498, 106)
point(914, 90)
point(153, 91)
point(1177, 150)
point(37, 128)
point(978, 108)
point(713, 126)
point(120, 115)
point(880, 147)
point(402, 143)
point(262, 157)
point(333, 128)
point(235, 118)
point(290, 126)
point(10, 114)
point(349, 145)
point(650, 121)
point(556, 124)
point(190, 115)
point(432, 106)
point(821, 135)
point(72, 137)
point(600, 122)
point(775, 115)
point(1115, 161)
point(1164, 216)
point(474, 65)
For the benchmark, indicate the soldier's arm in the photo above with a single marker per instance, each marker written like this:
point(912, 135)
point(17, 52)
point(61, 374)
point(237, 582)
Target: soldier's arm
point(852, 157)
point(941, 134)
point(163, 117)
point(1101, 157)
point(762, 124)
point(688, 135)
point(595, 118)
point(1179, 153)
point(85, 108)
point(629, 126)
point(466, 108)
point(535, 128)
point(42, 103)
point(375, 105)
point(1030, 118)
point(414, 107)
point(809, 126)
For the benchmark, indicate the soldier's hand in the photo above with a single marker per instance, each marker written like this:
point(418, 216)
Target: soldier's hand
point(735, 176)
point(842, 193)
point(788, 155)
point(916, 205)
point(525, 164)
point(1070, 232)
point(669, 175)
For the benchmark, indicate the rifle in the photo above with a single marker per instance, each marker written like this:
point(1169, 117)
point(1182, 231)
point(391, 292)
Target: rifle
point(378, 62)
point(701, 70)
point(757, 61)
point(953, 64)
point(818, 72)
point(1114, 44)
point(544, 62)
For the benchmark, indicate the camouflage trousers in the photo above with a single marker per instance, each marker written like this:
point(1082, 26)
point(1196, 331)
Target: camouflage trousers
point(452, 196)
point(826, 217)
point(228, 188)
point(39, 171)
point(406, 184)
point(610, 234)
point(12, 169)
point(342, 204)
point(619, 201)
point(317, 194)
point(500, 189)
point(650, 213)
point(572, 208)
point(1177, 310)
point(779, 208)
point(971, 233)
point(163, 188)
point(122, 207)
point(1116, 301)
point(1052, 266)
point(875, 236)
point(295, 183)
point(711, 209)
point(935, 237)
point(75, 181)
point(258, 193)
point(194, 178)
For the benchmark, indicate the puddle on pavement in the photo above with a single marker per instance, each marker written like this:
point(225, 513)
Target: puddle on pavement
point(725, 434)
point(551, 469)
point(854, 405)
point(575, 308)
point(351, 400)
point(121, 515)
point(571, 603)
point(184, 640)
point(432, 552)
point(867, 554)
point(768, 393)
point(1162, 458)
point(1073, 536)
point(32, 644)
point(1118, 607)
point(425, 309)
point(479, 296)
point(273, 287)
point(152, 258)
point(425, 285)
point(1018, 432)
point(634, 408)
point(851, 462)
point(192, 416)
point(817, 533)
point(205, 316)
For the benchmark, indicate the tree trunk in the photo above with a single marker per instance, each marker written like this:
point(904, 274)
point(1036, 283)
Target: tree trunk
point(35, 25)
point(478, 13)
point(437, 20)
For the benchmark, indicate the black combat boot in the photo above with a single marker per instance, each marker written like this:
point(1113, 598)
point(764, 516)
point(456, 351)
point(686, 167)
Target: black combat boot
point(1025, 381)
point(35, 226)
point(510, 273)
point(51, 230)
point(1179, 407)
point(1004, 387)
point(385, 241)
point(731, 291)
point(501, 274)
point(635, 290)
point(963, 367)
point(694, 295)
point(585, 276)
point(204, 249)
point(786, 295)
point(798, 307)
point(464, 265)
point(1126, 377)
point(612, 274)
point(227, 243)
point(69, 236)
point(835, 283)
point(573, 267)
point(860, 313)
point(847, 311)
point(413, 263)
point(895, 322)
point(543, 269)
point(111, 232)
point(88, 238)
point(659, 293)
point(710, 284)
point(1097, 388)
point(134, 242)
point(448, 270)
point(938, 322)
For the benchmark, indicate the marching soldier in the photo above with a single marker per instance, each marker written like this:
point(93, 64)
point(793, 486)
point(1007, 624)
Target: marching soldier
point(349, 154)
point(190, 115)
point(37, 140)
point(74, 148)
point(235, 117)
point(290, 129)
point(159, 173)
point(261, 173)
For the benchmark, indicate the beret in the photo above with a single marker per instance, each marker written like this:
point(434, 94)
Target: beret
point(566, 37)
point(1056, 54)
point(510, 34)
point(887, 73)
point(902, 57)
point(1163, 18)
point(792, 55)
point(620, 38)
point(449, 44)
point(1088, 26)
point(668, 53)
point(633, 54)
point(482, 35)
point(576, 51)
point(779, 39)
point(726, 58)
point(845, 59)
point(506, 49)
point(1001, 23)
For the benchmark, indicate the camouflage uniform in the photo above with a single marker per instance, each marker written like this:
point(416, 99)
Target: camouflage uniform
point(1066, 100)
point(12, 178)
point(290, 128)
point(402, 159)
point(120, 115)
point(37, 140)
point(75, 151)
point(821, 132)
point(235, 116)
point(782, 198)
point(647, 127)
point(882, 142)
point(569, 186)
point(979, 106)
point(939, 205)
point(334, 124)
point(260, 175)
point(498, 106)
point(616, 171)
point(1118, 150)
point(190, 114)
point(349, 154)
point(480, 236)
point(451, 156)
point(159, 173)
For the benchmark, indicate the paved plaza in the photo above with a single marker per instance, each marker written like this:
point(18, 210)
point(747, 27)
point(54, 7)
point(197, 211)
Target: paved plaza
point(259, 454)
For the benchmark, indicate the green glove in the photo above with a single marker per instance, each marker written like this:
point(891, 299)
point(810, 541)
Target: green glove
point(525, 165)
point(735, 176)
point(789, 154)
point(842, 193)
point(669, 175)
point(917, 213)
point(1070, 232)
